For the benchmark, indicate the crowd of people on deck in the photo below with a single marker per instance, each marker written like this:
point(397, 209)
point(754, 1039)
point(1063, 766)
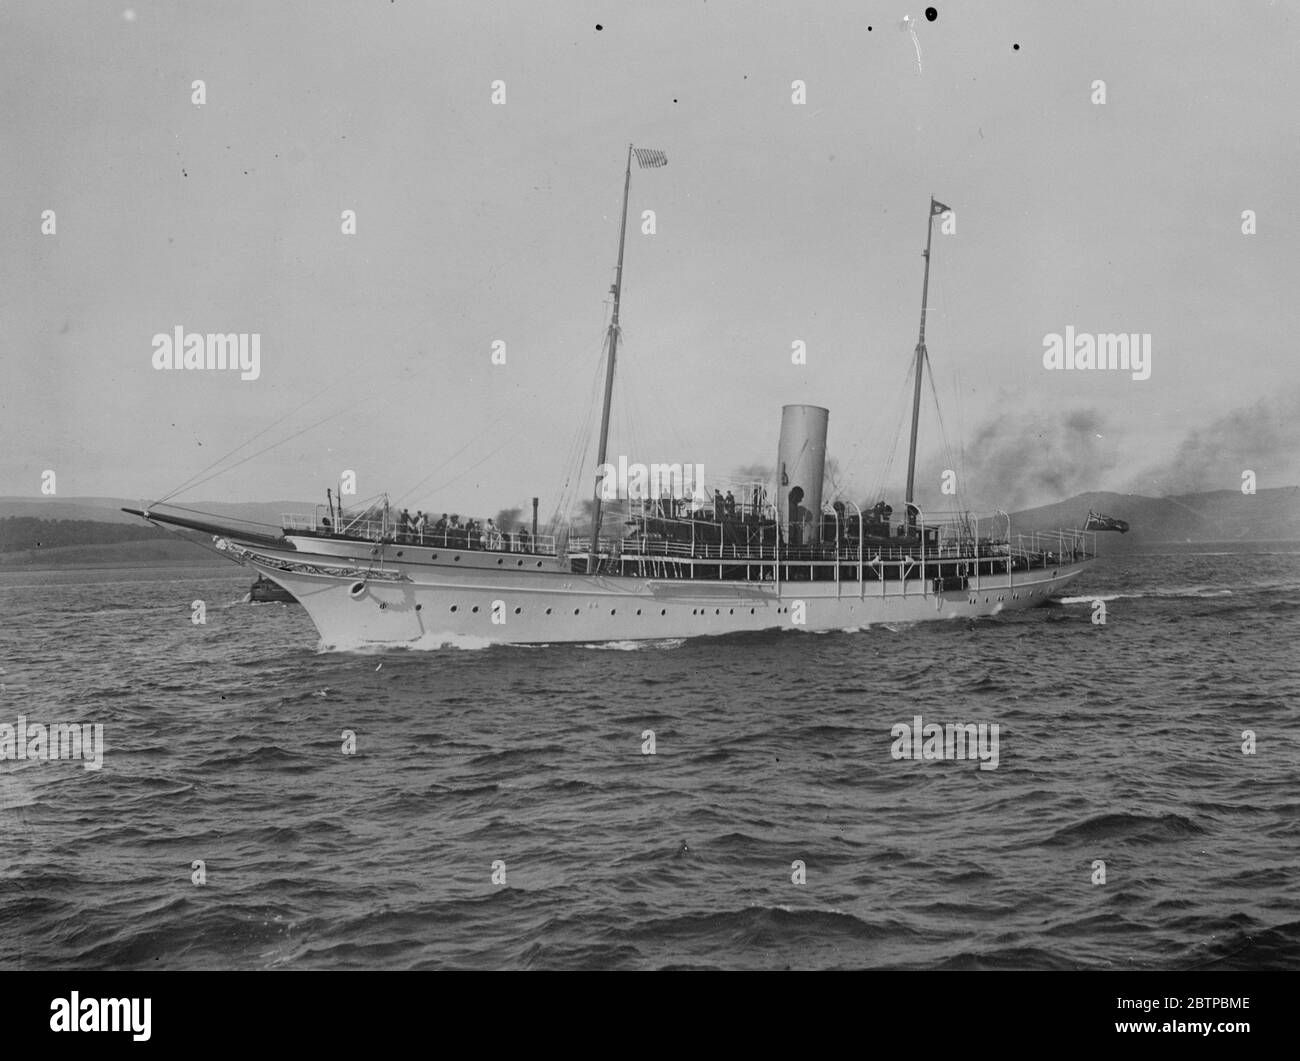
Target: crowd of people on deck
point(723, 507)
point(451, 533)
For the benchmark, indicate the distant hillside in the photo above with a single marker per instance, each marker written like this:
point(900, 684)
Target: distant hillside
point(1220, 516)
point(108, 509)
point(24, 532)
point(171, 550)
point(27, 542)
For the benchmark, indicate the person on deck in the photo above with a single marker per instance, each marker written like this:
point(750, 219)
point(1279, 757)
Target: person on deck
point(523, 539)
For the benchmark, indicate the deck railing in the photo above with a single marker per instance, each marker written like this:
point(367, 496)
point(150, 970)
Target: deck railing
point(388, 531)
point(956, 539)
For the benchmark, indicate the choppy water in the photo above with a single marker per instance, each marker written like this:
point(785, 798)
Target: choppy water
point(1118, 742)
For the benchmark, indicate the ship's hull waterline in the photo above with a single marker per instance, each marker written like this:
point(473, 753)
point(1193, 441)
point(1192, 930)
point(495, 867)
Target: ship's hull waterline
point(396, 603)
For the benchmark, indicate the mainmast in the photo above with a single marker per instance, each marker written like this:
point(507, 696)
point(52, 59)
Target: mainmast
point(922, 359)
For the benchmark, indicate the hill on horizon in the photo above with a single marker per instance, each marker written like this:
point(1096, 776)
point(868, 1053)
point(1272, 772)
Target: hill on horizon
point(1215, 516)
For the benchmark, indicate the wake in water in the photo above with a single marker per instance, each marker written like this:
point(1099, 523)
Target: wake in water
point(1186, 591)
point(428, 642)
point(635, 646)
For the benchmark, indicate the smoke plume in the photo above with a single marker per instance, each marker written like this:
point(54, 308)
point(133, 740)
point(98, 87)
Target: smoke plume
point(1263, 438)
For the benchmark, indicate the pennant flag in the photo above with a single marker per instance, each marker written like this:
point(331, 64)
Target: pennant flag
point(937, 207)
point(1098, 522)
point(649, 158)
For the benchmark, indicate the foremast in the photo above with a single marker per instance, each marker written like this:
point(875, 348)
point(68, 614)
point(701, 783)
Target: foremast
point(922, 361)
point(646, 157)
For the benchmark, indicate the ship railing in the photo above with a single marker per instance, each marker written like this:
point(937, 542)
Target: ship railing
point(1044, 549)
point(541, 545)
point(605, 546)
point(960, 537)
point(321, 524)
point(388, 531)
point(848, 552)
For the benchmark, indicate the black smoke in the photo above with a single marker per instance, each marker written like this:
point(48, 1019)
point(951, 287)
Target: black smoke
point(1263, 438)
point(1021, 460)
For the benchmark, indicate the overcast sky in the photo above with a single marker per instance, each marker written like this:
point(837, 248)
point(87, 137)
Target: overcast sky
point(776, 222)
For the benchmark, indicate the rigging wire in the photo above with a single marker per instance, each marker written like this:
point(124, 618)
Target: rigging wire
point(310, 427)
point(574, 461)
point(576, 458)
point(881, 482)
point(249, 441)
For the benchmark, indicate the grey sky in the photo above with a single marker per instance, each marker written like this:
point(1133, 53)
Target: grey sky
point(776, 222)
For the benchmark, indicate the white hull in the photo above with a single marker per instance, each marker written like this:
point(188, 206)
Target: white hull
point(479, 598)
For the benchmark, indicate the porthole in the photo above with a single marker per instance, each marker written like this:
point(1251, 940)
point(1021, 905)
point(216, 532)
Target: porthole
point(456, 558)
point(374, 552)
point(611, 611)
point(519, 563)
point(638, 611)
point(383, 605)
point(518, 610)
point(454, 607)
point(356, 589)
point(663, 611)
point(576, 610)
point(500, 561)
point(548, 611)
point(474, 609)
point(433, 556)
point(539, 563)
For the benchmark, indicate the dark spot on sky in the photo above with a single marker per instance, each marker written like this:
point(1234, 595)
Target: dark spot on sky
point(868, 29)
point(599, 27)
point(1015, 47)
point(674, 101)
point(183, 173)
point(931, 14)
